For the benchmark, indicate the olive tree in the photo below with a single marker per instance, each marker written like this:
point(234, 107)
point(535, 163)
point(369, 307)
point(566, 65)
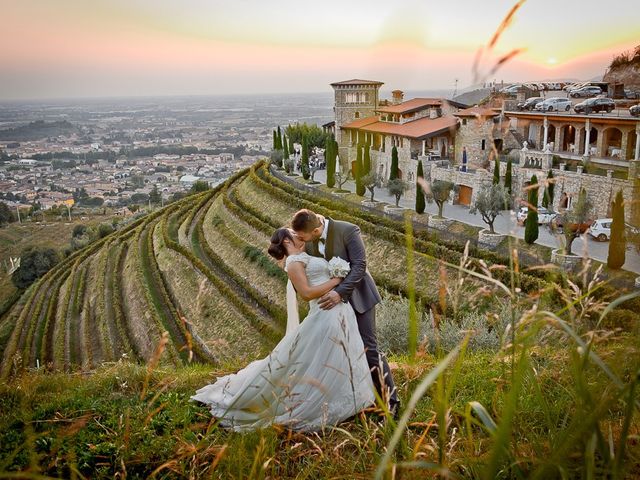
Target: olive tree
point(438, 191)
point(490, 201)
point(573, 220)
point(371, 181)
point(396, 188)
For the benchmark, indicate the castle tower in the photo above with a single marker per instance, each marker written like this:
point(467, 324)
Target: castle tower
point(354, 99)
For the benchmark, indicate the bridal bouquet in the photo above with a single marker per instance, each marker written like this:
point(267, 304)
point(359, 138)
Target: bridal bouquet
point(338, 267)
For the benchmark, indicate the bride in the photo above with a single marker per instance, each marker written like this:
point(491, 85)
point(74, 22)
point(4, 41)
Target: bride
point(316, 376)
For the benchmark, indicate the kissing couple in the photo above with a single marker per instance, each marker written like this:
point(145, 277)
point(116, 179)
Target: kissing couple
point(327, 368)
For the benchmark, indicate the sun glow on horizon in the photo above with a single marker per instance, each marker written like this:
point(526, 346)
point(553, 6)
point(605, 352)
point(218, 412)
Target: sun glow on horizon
point(118, 46)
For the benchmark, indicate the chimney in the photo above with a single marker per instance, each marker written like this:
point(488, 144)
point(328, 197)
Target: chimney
point(396, 97)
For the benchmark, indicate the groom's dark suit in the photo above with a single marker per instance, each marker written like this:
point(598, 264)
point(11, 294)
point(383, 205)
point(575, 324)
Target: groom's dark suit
point(359, 289)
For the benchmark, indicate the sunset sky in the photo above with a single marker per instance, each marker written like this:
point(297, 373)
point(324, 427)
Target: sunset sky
point(93, 48)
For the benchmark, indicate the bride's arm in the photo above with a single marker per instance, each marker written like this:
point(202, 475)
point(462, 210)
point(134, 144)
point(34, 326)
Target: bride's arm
point(298, 277)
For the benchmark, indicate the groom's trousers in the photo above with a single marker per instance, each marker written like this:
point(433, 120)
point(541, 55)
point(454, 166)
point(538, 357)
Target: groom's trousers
point(376, 360)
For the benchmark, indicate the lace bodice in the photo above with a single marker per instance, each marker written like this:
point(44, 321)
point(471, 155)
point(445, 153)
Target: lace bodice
point(316, 268)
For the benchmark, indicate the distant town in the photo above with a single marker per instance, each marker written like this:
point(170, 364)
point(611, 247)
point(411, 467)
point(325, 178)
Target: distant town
point(118, 153)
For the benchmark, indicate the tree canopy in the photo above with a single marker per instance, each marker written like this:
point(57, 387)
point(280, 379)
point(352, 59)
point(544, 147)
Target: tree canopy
point(34, 263)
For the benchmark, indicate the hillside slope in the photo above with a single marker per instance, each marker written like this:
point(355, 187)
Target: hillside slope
point(197, 269)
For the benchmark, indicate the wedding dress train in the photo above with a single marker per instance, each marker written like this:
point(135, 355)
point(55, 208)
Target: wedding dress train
point(315, 377)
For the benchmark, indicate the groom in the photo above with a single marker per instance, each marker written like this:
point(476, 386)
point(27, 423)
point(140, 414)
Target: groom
point(329, 238)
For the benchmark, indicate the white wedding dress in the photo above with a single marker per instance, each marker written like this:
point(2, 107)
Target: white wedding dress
point(317, 375)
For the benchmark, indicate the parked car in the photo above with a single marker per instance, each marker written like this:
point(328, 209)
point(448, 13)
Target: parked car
point(575, 86)
point(544, 216)
point(558, 224)
point(554, 104)
point(529, 103)
point(635, 110)
point(511, 89)
point(595, 105)
point(590, 91)
point(630, 94)
point(600, 229)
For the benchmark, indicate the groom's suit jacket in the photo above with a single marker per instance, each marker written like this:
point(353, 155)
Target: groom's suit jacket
point(344, 241)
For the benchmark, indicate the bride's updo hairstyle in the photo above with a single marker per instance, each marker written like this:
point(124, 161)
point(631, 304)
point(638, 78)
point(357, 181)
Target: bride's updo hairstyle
point(277, 248)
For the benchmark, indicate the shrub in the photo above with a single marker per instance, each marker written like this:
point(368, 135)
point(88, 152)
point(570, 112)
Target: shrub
point(34, 263)
point(104, 229)
point(618, 242)
point(531, 223)
point(420, 200)
point(392, 319)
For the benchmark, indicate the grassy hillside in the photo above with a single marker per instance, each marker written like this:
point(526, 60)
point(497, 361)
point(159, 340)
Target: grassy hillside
point(520, 373)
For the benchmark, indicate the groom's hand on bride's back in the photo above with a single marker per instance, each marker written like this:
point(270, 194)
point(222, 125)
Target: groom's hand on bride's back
point(329, 300)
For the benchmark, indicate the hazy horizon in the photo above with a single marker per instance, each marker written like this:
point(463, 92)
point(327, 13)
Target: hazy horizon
point(157, 48)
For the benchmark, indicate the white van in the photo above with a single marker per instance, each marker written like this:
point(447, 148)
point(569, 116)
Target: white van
point(601, 229)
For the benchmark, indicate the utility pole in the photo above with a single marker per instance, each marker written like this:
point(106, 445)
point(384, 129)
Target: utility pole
point(69, 210)
point(19, 219)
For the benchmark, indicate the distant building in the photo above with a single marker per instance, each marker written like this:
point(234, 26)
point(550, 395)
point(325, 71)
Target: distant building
point(189, 179)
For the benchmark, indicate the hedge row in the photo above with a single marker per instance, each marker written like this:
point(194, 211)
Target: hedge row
point(153, 302)
point(141, 280)
point(80, 311)
point(60, 338)
point(222, 287)
point(276, 312)
point(230, 202)
point(193, 344)
point(44, 339)
point(34, 320)
point(119, 317)
point(87, 319)
point(198, 344)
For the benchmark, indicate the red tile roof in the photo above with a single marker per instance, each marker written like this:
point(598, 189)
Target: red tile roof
point(411, 105)
point(355, 81)
point(361, 122)
point(477, 112)
point(421, 128)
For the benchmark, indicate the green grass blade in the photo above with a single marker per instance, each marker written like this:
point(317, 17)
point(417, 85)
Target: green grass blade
point(419, 392)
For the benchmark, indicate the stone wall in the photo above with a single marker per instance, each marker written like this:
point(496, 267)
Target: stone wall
point(471, 136)
point(601, 190)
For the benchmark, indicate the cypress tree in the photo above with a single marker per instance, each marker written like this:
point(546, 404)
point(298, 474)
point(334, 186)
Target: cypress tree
point(366, 160)
point(496, 171)
point(618, 242)
point(285, 148)
point(531, 224)
point(275, 140)
point(304, 164)
point(551, 186)
point(359, 173)
point(420, 200)
point(507, 176)
point(279, 139)
point(330, 156)
point(394, 171)
point(291, 149)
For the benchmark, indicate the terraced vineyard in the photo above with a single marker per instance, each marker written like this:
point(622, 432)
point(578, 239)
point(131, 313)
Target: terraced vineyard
point(197, 269)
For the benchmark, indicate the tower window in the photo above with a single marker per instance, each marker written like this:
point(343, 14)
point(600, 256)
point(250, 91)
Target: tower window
point(357, 115)
point(483, 144)
point(464, 121)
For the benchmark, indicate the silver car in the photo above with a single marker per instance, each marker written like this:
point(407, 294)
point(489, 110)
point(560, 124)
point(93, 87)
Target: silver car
point(554, 104)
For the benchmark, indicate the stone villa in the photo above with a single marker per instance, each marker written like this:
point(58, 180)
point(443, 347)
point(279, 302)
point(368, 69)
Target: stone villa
point(600, 153)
